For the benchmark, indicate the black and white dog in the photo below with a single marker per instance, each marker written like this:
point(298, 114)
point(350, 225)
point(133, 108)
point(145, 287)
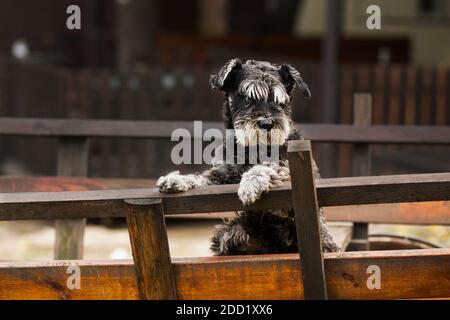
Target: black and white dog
point(257, 108)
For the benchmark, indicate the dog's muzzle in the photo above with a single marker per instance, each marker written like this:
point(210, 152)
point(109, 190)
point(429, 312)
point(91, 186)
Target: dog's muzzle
point(262, 131)
point(265, 124)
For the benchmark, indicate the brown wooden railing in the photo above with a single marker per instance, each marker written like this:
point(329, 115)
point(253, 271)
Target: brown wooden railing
point(74, 136)
point(405, 274)
point(374, 134)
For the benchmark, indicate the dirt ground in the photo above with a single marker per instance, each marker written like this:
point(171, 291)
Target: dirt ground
point(33, 240)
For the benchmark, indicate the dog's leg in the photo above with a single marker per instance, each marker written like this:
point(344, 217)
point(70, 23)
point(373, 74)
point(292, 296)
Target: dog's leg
point(239, 235)
point(221, 174)
point(261, 232)
point(175, 182)
point(255, 232)
point(260, 179)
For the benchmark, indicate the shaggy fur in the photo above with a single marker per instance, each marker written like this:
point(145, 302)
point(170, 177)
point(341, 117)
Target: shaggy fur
point(257, 101)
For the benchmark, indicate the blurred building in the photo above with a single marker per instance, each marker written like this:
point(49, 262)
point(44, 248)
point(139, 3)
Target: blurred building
point(112, 31)
point(426, 23)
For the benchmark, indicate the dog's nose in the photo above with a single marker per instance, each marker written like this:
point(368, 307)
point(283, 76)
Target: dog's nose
point(265, 124)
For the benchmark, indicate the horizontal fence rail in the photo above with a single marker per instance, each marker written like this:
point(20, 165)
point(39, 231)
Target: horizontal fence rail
point(406, 274)
point(421, 213)
point(416, 213)
point(391, 134)
point(331, 192)
point(215, 277)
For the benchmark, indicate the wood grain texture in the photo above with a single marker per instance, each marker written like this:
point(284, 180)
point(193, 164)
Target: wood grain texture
point(362, 117)
point(95, 128)
point(421, 213)
point(72, 162)
point(58, 184)
point(416, 213)
point(163, 129)
point(150, 247)
point(331, 192)
point(379, 90)
point(442, 76)
point(406, 274)
point(304, 201)
point(411, 96)
point(361, 162)
point(376, 134)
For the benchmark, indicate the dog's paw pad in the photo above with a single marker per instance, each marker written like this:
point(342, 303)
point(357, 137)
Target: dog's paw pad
point(173, 182)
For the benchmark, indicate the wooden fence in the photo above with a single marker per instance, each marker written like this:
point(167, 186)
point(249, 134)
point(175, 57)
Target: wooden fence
point(154, 275)
point(74, 135)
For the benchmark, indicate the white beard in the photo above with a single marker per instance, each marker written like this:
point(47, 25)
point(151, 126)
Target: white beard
point(251, 135)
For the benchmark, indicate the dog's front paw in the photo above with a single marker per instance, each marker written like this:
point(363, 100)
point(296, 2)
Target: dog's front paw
point(173, 182)
point(254, 183)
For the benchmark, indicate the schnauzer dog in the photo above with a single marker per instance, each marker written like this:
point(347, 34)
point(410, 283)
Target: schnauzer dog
point(257, 100)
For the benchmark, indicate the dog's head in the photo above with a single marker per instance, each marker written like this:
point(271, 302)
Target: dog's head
point(258, 97)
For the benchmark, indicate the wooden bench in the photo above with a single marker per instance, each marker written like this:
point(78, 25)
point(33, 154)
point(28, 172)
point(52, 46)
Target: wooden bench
point(74, 136)
point(154, 275)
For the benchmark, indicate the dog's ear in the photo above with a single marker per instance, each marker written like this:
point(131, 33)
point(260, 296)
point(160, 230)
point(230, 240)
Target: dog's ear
point(217, 81)
point(292, 77)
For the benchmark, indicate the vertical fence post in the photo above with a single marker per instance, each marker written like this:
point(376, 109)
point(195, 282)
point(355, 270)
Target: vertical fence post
point(72, 162)
point(361, 164)
point(306, 209)
point(150, 248)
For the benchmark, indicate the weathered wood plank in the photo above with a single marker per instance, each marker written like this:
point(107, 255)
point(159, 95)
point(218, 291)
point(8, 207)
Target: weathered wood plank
point(69, 234)
point(306, 209)
point(331, 192)
point(150, 247)
point(362, 117)
point(411, 96)
point(361, 162)
point(418, 213)
point(344, 150)
point(379, 93)
point(405, 274)
point(95, 128)
point(163, 129)
point(375, 134)
point(421, 213)
point(442, 76)
point(69, 239)
point(58, 184)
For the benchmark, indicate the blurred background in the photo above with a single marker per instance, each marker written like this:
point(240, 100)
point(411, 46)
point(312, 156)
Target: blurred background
point(151, 59)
